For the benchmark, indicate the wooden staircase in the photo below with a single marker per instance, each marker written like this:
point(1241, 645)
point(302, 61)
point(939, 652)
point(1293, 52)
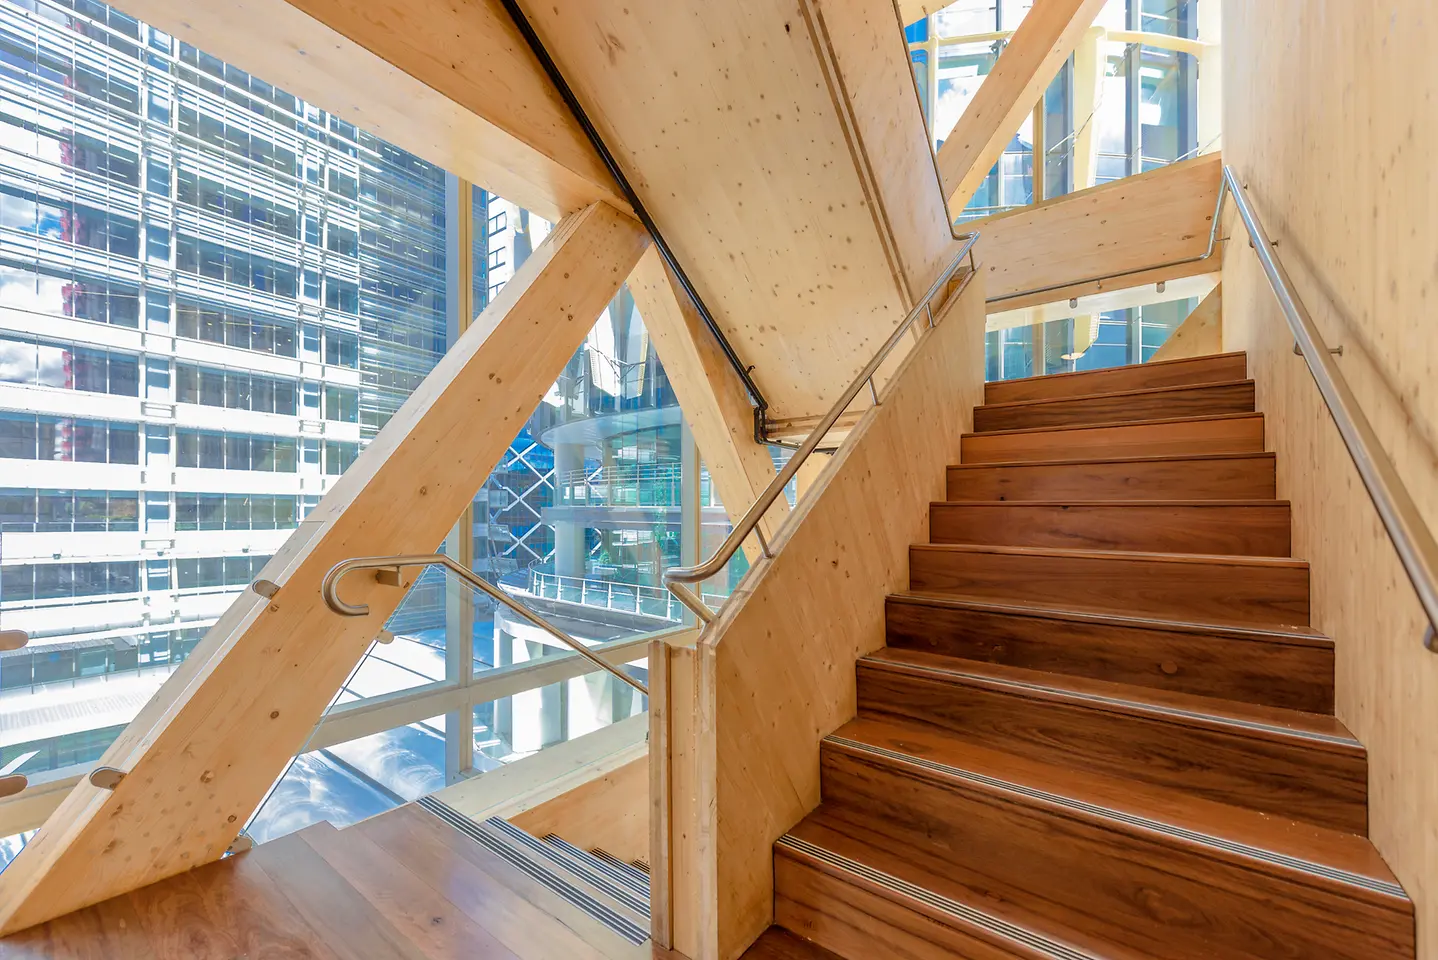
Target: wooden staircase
point(1102, 727)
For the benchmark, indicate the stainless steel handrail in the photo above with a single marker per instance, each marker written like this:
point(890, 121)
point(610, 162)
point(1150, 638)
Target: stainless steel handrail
point(1410, 535)
point(676, 577)
point(330, 591)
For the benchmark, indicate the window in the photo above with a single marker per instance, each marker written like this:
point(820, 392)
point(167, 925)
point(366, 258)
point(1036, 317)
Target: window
point(234, 389)
point(26, 436)
point(202, 572)
point(56, 581)
point(213, 450)
point(67, 366)
point(341, 404)
point(68, 511)
point(225, 511)
point(339, 456)
point(235, 327)
point(341, 348)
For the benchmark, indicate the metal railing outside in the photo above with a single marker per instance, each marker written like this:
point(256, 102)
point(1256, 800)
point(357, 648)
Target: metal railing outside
point(676, 577)
point(611, 595)
point(390, 570)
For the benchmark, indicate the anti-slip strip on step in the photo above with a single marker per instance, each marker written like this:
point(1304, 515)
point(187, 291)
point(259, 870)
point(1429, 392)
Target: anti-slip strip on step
point(952, 908)
point(1106, 813)
point(638, 873)
point(1149, 710)
point(594, 862)
point(601, 912)
point(582, 866)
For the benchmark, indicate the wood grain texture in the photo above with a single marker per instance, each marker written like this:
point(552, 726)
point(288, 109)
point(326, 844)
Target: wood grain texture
point(1091, 871)
point(1233, 433)
point(1226, 476)
point(1153, 404)
point(422, 76)
point(404, 886)
point(609, 813)
point(774, 694)
point(1200, 334)
point(1274, 668)
point(1243, 528)
point(1300, 766)
point(1251, 590)
point(776, 943)
point(733, 126)
point(1357, 226)
point(1220, 368)
point(1129, 224)
point(203, 752)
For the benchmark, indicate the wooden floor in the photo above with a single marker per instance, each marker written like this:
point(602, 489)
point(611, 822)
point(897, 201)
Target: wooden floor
point(402, 886)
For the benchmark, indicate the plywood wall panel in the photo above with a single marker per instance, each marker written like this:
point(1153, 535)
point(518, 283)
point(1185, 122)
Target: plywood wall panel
point(1330, 116)
point(777, 670)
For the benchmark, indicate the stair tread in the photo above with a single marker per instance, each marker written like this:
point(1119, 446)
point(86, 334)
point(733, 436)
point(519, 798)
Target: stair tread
point(1144, 504)
point(776, 943)
point(1316, 730)
point(1135, 392)
point(1320, 855)
point(1077, 461)
point(1135, 555)
point(967, 891)
point(1110, 373)
point(989, 434)
point(1275, 633)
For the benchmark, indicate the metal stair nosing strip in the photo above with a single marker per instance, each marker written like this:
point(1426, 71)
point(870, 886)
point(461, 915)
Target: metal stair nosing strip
point(615, 921)
point(580, 868)
point(986, 924)
point(1305, 869)
point(593, 862)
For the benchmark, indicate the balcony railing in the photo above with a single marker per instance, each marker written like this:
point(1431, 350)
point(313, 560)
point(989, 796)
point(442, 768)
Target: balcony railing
point(611, 595)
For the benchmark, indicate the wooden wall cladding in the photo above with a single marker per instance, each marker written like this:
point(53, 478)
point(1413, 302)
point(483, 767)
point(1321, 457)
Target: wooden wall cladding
point(776, 672)
point(1330, 116)
point(1130, 224)
point(744, 128)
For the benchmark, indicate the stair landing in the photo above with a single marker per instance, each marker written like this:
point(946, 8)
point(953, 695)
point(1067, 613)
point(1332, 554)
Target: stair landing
point(405, 885)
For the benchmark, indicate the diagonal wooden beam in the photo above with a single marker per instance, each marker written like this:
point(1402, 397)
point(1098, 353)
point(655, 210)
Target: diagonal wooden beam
point(709, 392)
point(201, 755)
point(453, 83)
point(1040, 45)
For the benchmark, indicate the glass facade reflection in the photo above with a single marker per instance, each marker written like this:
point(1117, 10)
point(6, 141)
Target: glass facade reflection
point(212, 294)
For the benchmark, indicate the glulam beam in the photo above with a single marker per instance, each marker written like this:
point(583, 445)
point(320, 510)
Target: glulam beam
point(710, 393)
point(452, 83)
point(201, 755)
point(1030, 61)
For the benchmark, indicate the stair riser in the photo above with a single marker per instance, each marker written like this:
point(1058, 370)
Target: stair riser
point(856, 923)
point(1298, 677)
point(1145, 376)
point(1237, 530)
point(1120, 408)
point(1294, 779)
point(1203, 591)
point(1123, 884)
point(1243, 434)
point(1248, 478)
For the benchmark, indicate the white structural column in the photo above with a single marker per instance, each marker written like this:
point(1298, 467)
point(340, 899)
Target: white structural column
point(200, 756)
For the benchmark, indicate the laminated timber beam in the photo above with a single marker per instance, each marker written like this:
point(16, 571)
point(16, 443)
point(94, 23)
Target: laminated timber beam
point(453, 83)
point(1130, 232)
point(200, 756)
point(1030, 61)
point(709, 392)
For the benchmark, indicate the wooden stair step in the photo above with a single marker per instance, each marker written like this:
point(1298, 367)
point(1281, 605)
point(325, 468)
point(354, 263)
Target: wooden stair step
point(1180, 436)
point(1238, 527)
point(1219, 476)
point(1215, 368)
point(776, 943)
point(1285, 762)
point(836, 884)
point(1278, 668)
point(1104, 860)
point(1216, 589)
point(1154, 403)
